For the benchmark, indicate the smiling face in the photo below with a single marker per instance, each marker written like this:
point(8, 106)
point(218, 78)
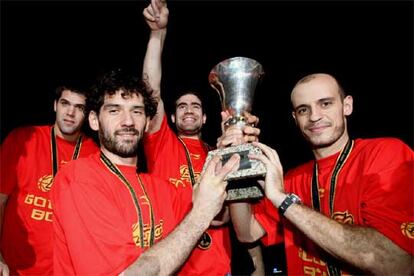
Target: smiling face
point(320, 111)
point(121, 123)
point(189, 118)
point(70, 114)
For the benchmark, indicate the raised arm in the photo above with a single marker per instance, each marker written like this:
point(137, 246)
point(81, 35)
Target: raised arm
point(167, 256)
point(362, 247)
point(156, 16)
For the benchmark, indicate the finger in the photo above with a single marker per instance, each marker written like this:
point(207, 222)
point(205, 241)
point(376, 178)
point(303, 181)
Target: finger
point(211, 166)
point(231, 165)
point(155, 9)
point(268, 151)
point(249, 130)
point(148, 16)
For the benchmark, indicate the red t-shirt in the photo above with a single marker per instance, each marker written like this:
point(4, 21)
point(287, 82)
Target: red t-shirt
point(166, 157)
point(374, 189)
point(26, 178)
point(96, 221)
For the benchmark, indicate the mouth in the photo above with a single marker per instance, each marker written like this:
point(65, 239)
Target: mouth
point(189, 119)
point(127, 133)
point(70, 122)
point(317, 128)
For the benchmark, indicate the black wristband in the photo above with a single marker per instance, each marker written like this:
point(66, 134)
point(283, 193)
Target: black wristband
point(289, 200)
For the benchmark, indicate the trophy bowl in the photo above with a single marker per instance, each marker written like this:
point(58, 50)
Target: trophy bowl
point(235, 80)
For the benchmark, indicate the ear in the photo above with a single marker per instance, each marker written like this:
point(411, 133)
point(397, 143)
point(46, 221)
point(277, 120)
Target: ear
point(173, 118)
point(93, 120)
point(348, 105)
point(147, 124)
point(54, 105)
point(294, 117)
point(204, 118)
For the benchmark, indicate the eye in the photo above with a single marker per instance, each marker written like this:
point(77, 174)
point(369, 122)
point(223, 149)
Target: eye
point(326, 103)
point(113, 111)
point(302, 110)
point(81, 108)
point(139, 112)
point(64, 103)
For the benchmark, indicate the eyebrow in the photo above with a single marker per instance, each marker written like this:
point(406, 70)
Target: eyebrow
point(106, 106)
point(67, 101)
point(318, 101)
point(192, 103)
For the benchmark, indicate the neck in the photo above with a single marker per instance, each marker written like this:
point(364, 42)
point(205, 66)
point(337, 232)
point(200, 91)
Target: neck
point(118, 160)
point(339, 144)
point(194, 136)
point(68, 137)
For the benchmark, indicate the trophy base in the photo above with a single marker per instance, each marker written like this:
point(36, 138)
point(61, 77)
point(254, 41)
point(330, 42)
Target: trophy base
point(240, 190)
point(248, 167)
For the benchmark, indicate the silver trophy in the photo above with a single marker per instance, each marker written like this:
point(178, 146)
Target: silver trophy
point(235, 80)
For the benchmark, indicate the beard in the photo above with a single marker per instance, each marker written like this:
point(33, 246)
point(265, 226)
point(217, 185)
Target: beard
point(126, 148)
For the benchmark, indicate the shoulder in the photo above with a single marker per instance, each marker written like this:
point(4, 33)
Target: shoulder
point(29, 130)
point(388, 147)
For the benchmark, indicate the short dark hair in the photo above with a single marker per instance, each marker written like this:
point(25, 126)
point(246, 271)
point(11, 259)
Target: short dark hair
point(118, 79)
point(184, 92)
point(77, 85)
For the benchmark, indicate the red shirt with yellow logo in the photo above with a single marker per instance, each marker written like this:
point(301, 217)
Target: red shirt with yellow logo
point(96, 221)
point(26, 178)
point(166, 157)
point(374, 189)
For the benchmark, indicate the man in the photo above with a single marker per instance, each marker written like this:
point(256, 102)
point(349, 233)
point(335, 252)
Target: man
point(109, 219)
point(350, 210)
point(180, 157)
point(30, 158)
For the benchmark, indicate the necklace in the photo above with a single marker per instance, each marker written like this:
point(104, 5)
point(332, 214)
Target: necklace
point(316, 203)
point(75, 154)
point(114, 169)
point(205, 241)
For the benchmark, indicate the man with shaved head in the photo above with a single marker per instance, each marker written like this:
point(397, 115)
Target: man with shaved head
point(348, 211)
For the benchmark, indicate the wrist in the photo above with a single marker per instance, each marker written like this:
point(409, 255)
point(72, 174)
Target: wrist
point(290, 199)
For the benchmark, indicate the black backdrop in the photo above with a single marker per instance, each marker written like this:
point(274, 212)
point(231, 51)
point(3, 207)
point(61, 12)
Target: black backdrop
point(368, 45)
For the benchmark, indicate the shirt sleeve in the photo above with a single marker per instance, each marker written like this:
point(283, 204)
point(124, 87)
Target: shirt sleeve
point(13, 147)
point(89, 238)
point(154, 143)
point(387, 203)
point(268, 217)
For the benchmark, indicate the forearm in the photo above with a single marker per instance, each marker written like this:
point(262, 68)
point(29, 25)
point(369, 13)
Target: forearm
point(152, 73)
point(222, 218)
point(255, 253)
point(361, 247)
point(152, 70)
point(164, 258)
point(247, 228)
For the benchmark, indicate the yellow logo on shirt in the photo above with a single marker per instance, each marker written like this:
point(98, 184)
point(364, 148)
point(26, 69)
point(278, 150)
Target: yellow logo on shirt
point(407, 229)
point(45, 183)
point(343, 217)
point(147, 233)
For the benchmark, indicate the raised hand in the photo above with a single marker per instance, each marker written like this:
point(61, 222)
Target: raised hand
point(156, 15)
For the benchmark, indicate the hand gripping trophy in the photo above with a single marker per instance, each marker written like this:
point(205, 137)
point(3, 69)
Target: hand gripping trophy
point(235, 80)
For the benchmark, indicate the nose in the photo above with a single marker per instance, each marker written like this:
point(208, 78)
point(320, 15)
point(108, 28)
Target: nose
point(127, 119)
point(315, 114)
point(188, 109)
point(71, 111)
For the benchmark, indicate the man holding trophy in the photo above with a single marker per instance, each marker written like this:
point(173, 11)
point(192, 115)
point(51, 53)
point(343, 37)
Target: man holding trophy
point(180, 157)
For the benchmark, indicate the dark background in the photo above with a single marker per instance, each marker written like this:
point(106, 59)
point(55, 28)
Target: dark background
point(367, 45)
